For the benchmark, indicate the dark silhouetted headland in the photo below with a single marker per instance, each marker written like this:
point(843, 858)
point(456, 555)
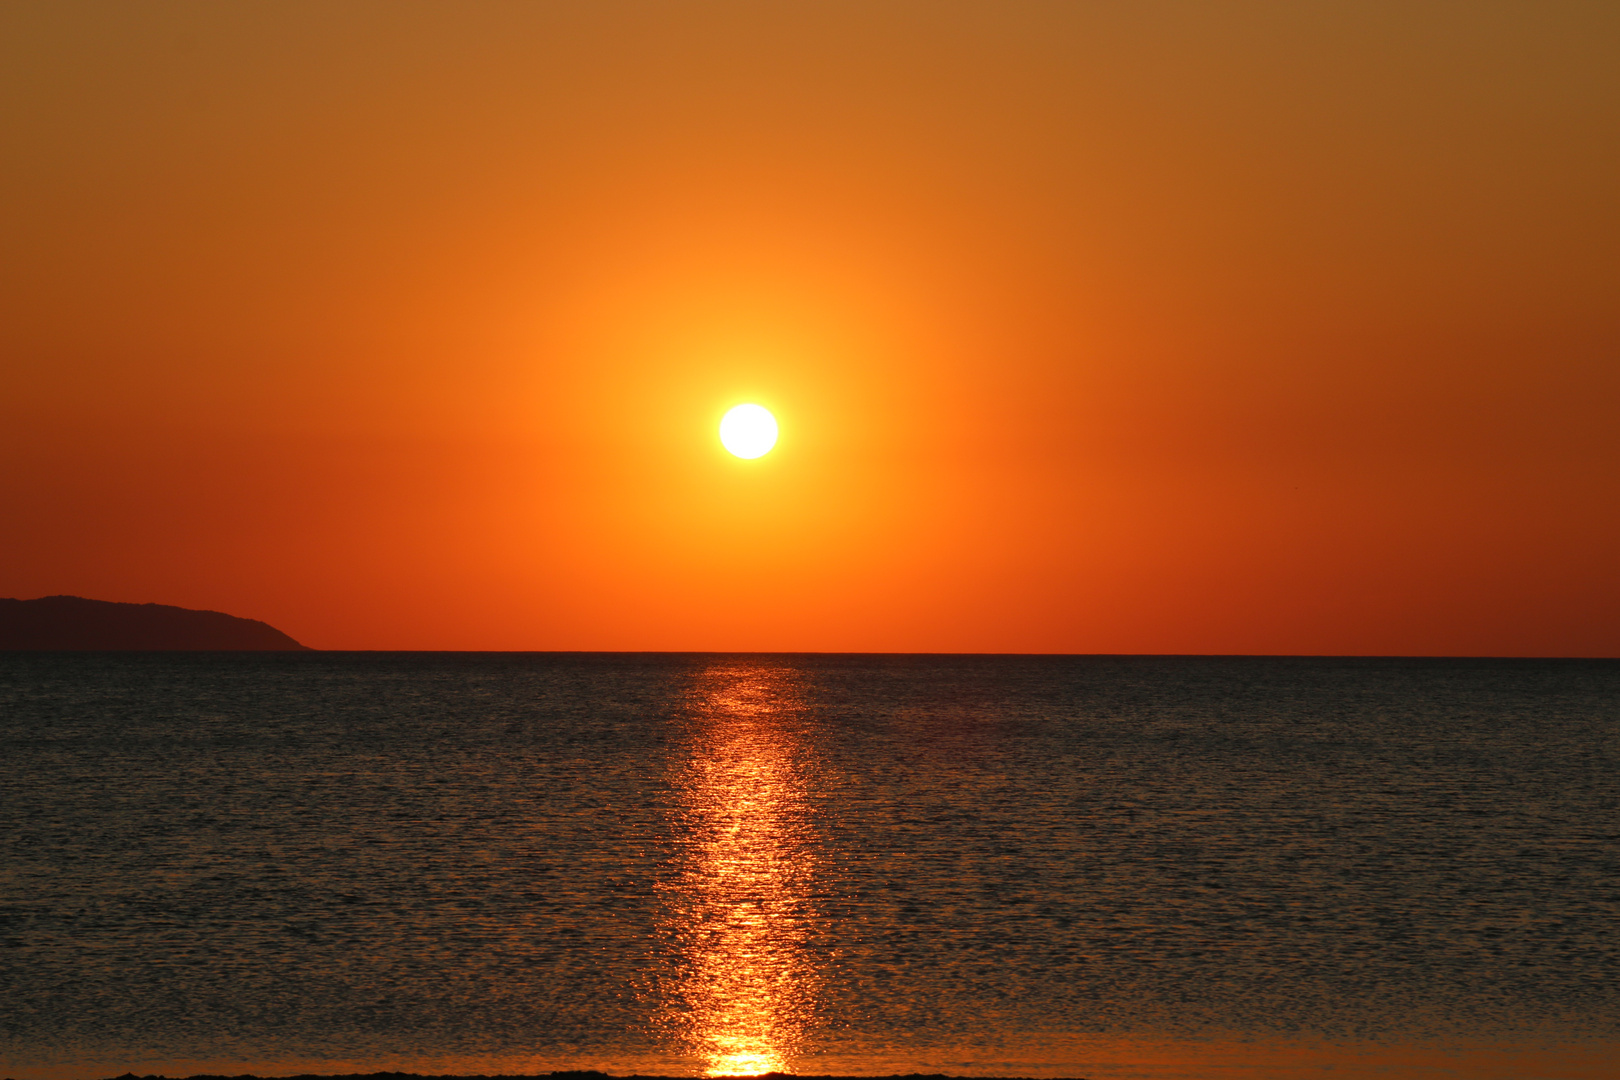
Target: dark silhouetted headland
point(74, 623)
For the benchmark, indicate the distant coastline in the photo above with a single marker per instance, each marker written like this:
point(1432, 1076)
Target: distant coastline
point(75, 624)
point(567, 1074)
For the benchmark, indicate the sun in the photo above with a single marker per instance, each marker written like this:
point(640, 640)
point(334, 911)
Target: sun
point(749, 431)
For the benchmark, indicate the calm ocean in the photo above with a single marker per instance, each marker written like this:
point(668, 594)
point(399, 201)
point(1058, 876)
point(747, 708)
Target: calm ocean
point(1039, 866)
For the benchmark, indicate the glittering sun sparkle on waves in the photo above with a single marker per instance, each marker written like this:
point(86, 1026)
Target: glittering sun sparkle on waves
point(741, 908)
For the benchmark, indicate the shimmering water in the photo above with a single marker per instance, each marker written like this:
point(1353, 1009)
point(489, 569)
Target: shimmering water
point(730, 864)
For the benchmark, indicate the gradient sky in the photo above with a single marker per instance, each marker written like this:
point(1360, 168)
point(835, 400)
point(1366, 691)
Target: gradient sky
point(1135, 327)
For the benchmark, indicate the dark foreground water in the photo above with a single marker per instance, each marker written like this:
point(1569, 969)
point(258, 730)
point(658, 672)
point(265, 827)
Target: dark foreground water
point(730, 864)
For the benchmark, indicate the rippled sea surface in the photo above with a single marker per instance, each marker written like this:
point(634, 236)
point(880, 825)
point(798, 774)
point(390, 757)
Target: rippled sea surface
point(1038, 866)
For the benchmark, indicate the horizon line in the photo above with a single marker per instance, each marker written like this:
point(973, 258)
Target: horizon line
point(307, 649)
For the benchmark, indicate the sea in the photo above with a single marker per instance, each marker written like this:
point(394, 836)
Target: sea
point(707, 865)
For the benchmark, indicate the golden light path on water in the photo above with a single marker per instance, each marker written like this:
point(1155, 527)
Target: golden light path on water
point(740, 909)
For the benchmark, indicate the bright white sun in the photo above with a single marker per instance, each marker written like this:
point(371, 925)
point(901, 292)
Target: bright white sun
point(749, 431)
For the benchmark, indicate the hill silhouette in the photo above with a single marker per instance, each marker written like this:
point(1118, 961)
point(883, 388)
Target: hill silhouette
point(72, 623)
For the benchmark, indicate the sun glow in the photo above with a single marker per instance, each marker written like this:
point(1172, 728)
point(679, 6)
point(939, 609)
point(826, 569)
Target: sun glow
point(748, 431)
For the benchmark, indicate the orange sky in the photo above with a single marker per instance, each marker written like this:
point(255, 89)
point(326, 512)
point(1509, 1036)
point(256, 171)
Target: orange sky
point(1133, 327)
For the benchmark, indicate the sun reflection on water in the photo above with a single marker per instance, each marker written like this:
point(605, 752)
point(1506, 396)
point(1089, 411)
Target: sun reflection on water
point(740, 909)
